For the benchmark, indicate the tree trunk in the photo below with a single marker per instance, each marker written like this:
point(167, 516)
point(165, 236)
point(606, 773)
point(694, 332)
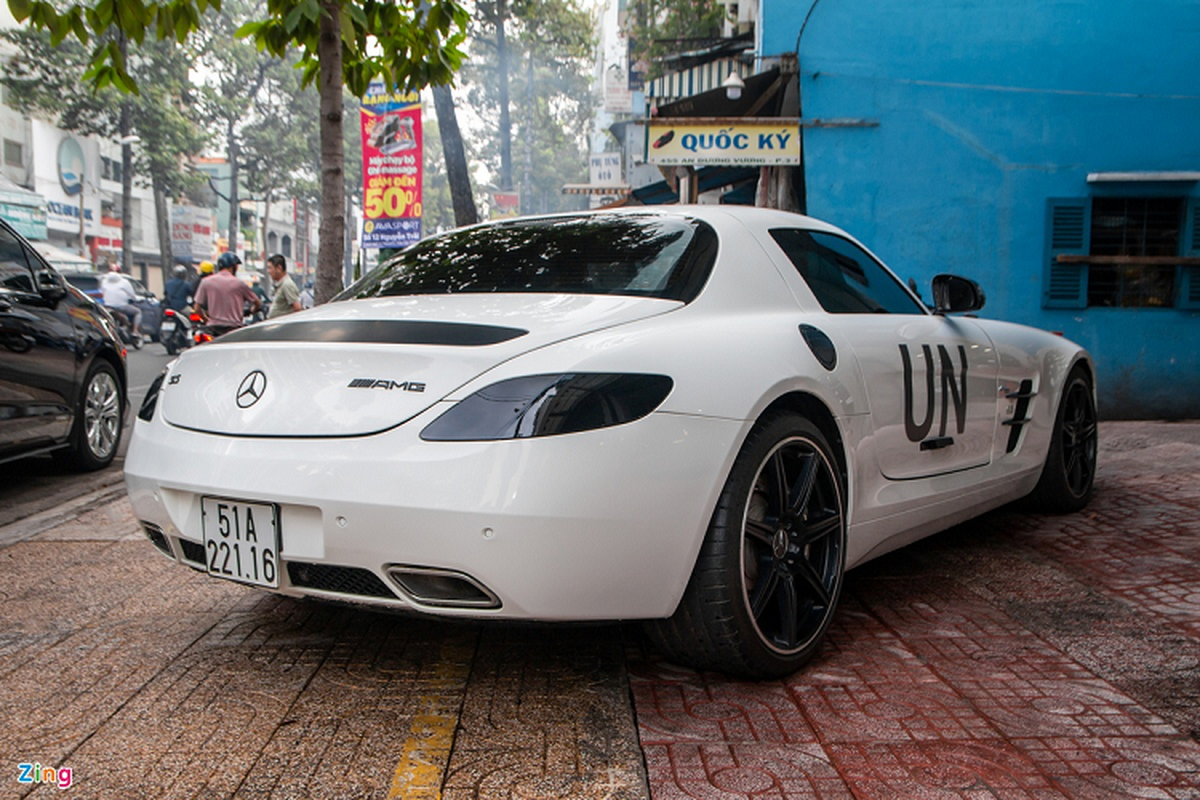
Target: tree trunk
point(235, 221)
point(506, 171)
point(162, 217)
point(266, 242)
point(126, 182)
point(333, 180)
point(527, 204)
point(456, 158)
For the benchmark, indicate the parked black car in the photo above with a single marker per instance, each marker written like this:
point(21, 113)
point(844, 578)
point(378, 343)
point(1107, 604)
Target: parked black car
point(89, 284)
point(62, 367)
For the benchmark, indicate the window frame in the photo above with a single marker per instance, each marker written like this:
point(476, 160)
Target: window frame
point(918, 307)
point(1068, 233)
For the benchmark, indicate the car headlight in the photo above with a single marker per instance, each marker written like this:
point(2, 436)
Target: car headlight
point(547, 405)
point(150, 402)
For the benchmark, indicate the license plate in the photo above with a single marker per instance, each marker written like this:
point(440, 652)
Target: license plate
point(168, 327)
point(241, 540)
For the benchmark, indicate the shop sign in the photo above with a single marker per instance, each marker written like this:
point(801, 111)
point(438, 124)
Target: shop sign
point(191, 233)
point(28, 221)
point(505, 205)
point(681, 142)
point(392, 167)
point(604, 169)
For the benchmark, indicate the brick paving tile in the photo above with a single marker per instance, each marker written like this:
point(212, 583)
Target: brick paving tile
point(546, 717)
point(1015, 656)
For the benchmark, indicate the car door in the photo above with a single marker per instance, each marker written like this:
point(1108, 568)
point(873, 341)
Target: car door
point(931, 380)
point(37, 357)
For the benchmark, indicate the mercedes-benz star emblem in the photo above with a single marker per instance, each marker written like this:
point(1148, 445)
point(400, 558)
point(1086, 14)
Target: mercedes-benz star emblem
point(251, 389)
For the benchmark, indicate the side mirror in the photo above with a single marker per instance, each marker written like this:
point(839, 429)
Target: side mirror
point(955, 295)
point(50, 286)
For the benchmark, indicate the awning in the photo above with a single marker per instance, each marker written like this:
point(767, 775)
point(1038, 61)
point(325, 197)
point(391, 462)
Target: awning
point(587, 188)
point(762, 97)
point(686, 83)
point(710, 178)
point(62, 260)
point(23, 209)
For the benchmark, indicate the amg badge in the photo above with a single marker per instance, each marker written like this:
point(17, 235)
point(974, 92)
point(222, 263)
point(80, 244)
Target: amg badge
point(381, 383)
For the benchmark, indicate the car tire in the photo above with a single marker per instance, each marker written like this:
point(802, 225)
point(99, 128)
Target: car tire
point(769, 573)
point(1069, 472)
point(96, 432)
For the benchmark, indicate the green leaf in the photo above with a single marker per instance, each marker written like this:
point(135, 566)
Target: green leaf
point(20, 9)
point(104, 13)
point(78, 26)
point(293, 18)
point(357, 15)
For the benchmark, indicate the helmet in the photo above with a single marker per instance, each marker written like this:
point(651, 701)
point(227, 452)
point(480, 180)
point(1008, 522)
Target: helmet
point(114, 267)
point(206, 267)
point(180, 270)
point(228, 261)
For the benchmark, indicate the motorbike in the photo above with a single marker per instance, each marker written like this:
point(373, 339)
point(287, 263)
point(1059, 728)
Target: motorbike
point(201, 332)
point(125, 329)
point(175, 332)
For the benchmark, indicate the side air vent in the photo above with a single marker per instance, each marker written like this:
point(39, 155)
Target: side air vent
point(1024, 396)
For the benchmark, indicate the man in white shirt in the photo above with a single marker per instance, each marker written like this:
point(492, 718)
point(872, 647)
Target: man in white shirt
point(119, 295)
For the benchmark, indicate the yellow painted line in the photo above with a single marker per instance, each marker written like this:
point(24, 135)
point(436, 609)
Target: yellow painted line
point(426, 752)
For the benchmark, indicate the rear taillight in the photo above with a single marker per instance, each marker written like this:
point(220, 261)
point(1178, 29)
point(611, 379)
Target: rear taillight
point(170, 312)
point(194, 317)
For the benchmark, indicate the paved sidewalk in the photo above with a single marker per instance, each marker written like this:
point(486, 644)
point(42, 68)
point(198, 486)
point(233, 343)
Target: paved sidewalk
point(1016, 656)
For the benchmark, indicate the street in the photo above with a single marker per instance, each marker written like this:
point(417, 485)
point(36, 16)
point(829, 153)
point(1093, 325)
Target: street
point(1017, 656)
point(37, 484)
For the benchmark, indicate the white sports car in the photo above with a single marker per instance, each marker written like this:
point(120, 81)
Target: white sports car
point(695, 416)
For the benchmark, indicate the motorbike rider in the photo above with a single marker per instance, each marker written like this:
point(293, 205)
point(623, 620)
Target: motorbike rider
point(178, 292)
point(220, 299)
point(119, 295)
point(205, 270)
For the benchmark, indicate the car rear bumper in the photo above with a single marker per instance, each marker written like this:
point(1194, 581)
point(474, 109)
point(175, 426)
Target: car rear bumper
point(598, 525)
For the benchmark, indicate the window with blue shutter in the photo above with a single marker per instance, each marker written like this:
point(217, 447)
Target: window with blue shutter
point(1118, 251)
point(1189, 274)
point(1068, 233)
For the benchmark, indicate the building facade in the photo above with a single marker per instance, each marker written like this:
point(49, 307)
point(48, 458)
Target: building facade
point(1047, 149)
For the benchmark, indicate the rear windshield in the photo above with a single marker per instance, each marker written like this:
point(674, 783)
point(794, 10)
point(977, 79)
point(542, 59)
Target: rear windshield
point(643, 256)
point(85, 282)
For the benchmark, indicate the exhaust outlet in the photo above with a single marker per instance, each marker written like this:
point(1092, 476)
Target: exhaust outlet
point(441, 588)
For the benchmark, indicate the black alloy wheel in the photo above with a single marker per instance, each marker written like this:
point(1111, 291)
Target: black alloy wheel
point(1069, 472)
point(792, 545)
point(1078, 438)
point(769, 574)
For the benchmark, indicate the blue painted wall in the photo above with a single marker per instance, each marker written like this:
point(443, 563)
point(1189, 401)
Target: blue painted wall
point(986, 109)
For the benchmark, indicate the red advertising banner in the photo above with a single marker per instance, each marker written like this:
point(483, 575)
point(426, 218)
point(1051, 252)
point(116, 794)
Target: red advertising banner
point(391, 144)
